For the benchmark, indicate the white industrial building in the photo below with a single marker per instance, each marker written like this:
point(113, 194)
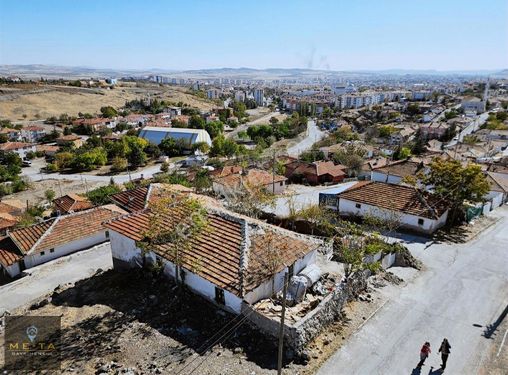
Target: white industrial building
point(156, 134)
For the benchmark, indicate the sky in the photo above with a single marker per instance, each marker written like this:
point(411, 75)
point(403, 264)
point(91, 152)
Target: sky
point(198, 34)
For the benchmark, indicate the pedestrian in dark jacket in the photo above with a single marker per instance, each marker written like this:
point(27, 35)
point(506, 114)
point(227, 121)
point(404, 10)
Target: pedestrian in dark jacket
point(444, 349)
point(424, 353)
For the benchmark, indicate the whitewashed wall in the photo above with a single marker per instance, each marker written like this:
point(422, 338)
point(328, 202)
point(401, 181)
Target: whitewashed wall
point(70, 247)
point(125, 250)
point(347, 207)
point(266, 289)
point(13, 270)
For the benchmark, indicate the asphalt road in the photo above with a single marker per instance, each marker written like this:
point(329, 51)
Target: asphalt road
point(463, 290)
point(45, 278)
point(471, 128)
point(264, 119)
point(312, 135)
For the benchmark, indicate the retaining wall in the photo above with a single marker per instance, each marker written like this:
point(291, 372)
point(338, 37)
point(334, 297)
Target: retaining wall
point(297, 336)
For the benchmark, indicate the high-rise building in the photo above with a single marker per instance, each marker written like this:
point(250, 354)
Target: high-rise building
point(259, 96)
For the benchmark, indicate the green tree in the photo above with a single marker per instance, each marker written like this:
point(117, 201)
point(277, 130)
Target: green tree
point(119, 164)
point(202, 147)
point(351, 156)
point(100, 196)
point(63, 160)
point(109, 112)
point(214, 128)
point(402, 153)
point(137, 157)
point(172, 147)
point(197, 122)
point(223, 147)
point(176, 235)
point(456, 184)
point(49, 195)
point(386, 130)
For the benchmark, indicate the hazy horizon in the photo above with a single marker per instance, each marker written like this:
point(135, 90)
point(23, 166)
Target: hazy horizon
point(197, 35)
point(252, 68)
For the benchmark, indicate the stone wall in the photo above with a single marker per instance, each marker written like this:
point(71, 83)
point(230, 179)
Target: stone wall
point(297, 336)
point(329, 310)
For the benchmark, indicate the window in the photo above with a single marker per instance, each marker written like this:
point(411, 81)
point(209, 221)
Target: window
point(219, 296)
point(42, 253)
point(51, 250)
point(358, 205)
point(281, 183)
point(421, 221)
point(107, 234)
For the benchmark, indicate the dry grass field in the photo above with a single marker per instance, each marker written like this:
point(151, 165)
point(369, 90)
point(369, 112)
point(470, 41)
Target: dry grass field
point(41, 102)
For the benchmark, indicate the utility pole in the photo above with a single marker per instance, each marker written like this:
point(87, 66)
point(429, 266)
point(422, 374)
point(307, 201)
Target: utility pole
point(273, 172)
point(281, 327)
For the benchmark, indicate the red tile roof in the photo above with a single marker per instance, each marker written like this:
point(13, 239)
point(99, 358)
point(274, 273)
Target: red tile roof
point(399, 198)
point(72, 203)
point(216, 253)
point(26, 238)
point(9, 253)
point(328, 167)
point(63, 229)
point(132, 200)
point(10, 146)
point(401, 168)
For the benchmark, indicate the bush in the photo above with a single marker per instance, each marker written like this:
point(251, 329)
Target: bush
point(100, 196)
point(52, 167)
point(119, 164)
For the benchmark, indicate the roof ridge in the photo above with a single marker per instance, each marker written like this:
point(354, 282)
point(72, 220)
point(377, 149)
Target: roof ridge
point(44, 235)
point(148, 194)
point(18, 245)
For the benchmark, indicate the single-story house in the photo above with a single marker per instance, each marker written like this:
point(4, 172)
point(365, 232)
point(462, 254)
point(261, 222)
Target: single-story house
point(413, 209)
point(32, 134)
point(498, 192)
point(48, 150)
point(190, 136)
point(250, 179)
point(394, 173)
point(12, 134)
point(96, 123)
point(137, 199)
point(318, 172)
point(71, 203)
point(472, 103)
point(72, 139)
point(20, 148)
point(39, 243)
point(234, 260)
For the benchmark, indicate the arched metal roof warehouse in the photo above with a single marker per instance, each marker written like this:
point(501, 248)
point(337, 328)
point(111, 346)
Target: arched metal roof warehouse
point(157, 134)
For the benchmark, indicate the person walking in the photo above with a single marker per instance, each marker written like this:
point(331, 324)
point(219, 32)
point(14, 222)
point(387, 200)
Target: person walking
point(424, 353)
point(444, 349)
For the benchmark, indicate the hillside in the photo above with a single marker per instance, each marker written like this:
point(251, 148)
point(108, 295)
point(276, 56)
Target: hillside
point(45, 101)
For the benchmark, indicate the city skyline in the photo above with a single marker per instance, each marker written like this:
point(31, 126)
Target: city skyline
point(199, 35)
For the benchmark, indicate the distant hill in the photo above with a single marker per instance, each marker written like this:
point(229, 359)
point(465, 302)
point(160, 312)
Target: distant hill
point(54, 71)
